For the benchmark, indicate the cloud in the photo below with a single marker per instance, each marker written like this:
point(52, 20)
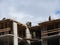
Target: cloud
point(19, 16)
point(29, 10)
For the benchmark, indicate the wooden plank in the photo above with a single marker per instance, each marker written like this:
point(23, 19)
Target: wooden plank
point(5, 30)
point(46, 37)
point(33, 39)
point(51, 31)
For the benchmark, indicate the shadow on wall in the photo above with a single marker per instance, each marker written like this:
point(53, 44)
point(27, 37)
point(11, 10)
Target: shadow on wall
point(23, 43)
point(54, 41)
point(1, 42)
point(36, 43)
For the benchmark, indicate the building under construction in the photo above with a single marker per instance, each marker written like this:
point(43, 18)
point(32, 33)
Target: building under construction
point(15, 33)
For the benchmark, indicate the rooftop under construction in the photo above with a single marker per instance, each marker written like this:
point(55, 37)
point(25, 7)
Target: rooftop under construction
point(15, 33)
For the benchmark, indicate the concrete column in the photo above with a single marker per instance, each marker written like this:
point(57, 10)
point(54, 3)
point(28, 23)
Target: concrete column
point(28, 35)
point(59, 38)
point(44, 42)
point(15, 33)
point(59, 41)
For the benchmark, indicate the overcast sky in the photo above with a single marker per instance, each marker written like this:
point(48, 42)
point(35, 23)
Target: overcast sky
point(30, 10)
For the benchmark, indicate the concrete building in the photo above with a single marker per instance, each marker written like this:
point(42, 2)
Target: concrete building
point(15, 33)
point(11, 32)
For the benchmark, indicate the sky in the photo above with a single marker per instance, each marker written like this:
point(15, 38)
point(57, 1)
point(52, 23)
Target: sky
point(35, 11)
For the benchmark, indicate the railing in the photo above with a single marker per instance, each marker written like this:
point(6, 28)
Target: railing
point(50, 31)
point(33, 39)
point(20, 37)
point(11, 35)
point(5, 30)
